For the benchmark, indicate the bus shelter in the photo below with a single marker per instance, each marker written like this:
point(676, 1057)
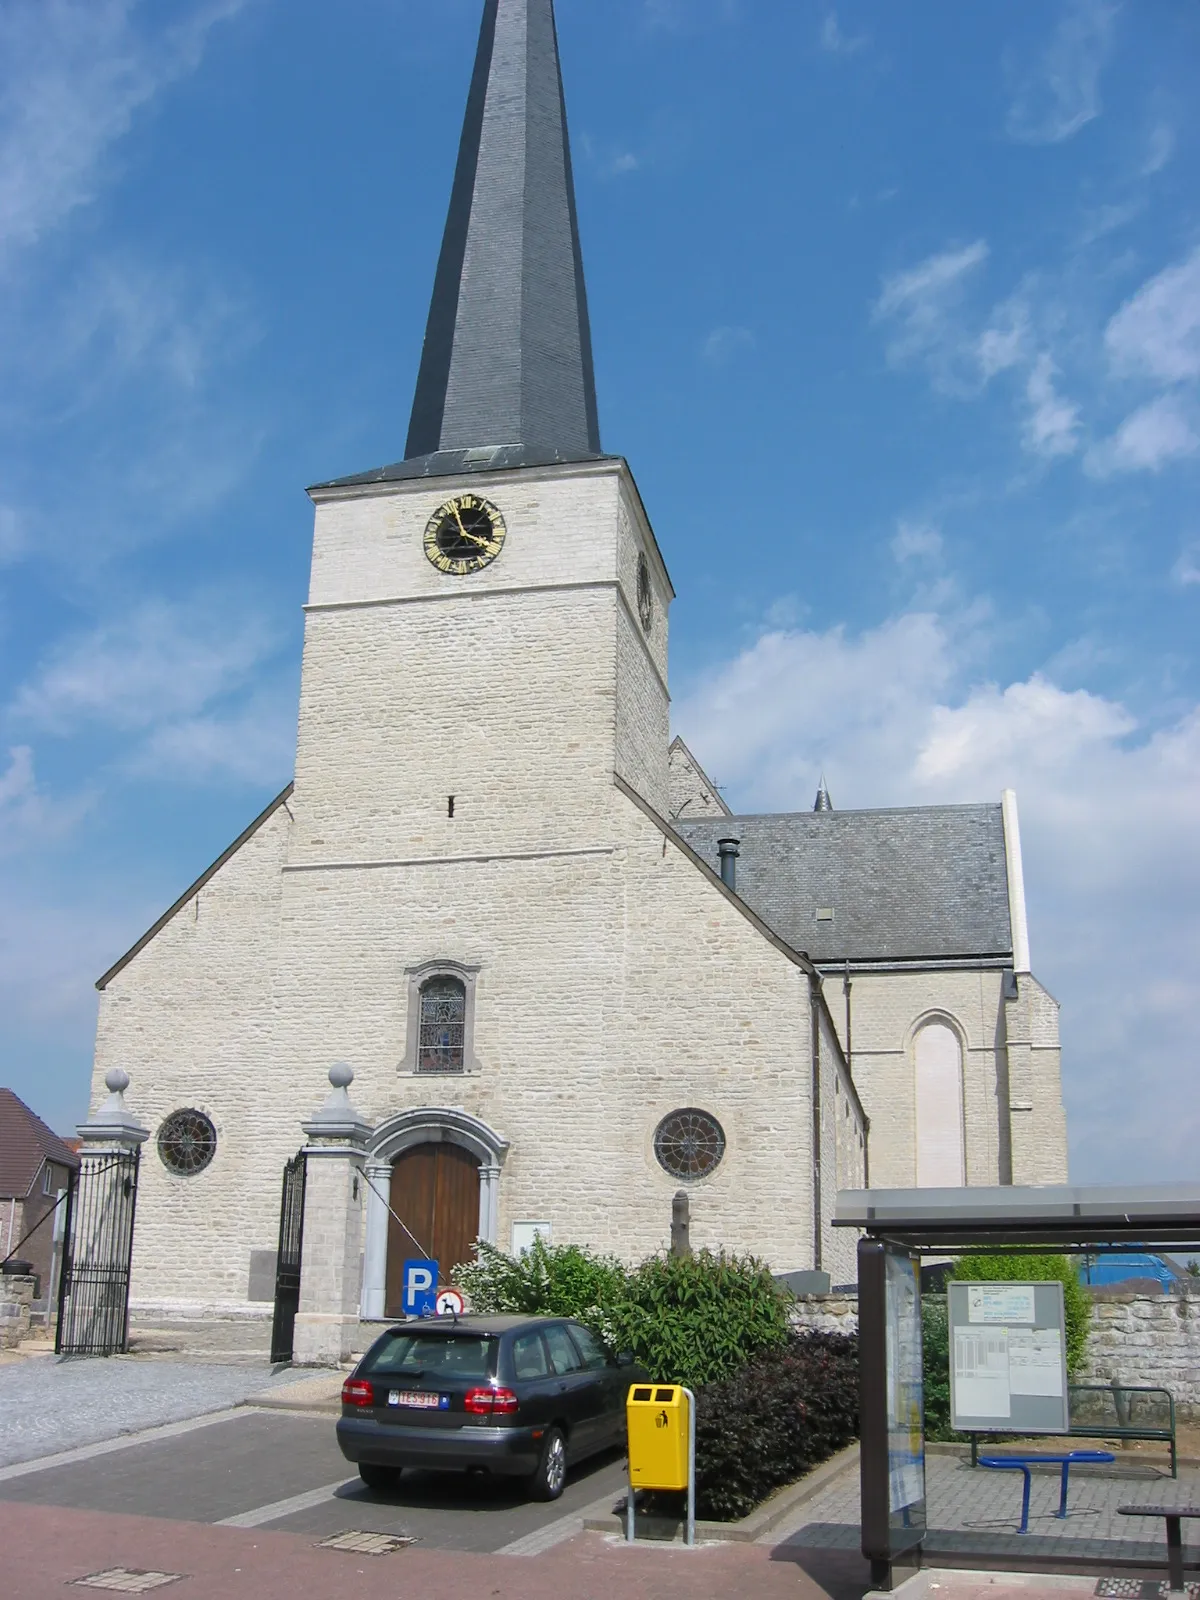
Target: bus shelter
point(899, 1227)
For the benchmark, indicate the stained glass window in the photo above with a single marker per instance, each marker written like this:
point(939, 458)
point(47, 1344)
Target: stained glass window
point(187, 1142)
point(689, 1144)
point(443, 1025)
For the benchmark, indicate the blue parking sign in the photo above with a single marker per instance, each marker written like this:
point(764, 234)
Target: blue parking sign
point(420, 1288)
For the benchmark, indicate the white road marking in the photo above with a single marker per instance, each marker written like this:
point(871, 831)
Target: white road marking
point(558, 1531)
point(285, 1508)
point(124, 1441)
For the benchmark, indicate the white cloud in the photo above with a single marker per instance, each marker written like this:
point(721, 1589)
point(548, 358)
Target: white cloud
point(1157, 331)
point(838, 43)
point(27, 815)
point(1052, 425)
point(1160, 147)
point(160, 663)
point(1186, 570)
point(254, 744)
point(1154, 435)
point(1059, 93)
point(922, 305)
point(723, 344)
point(76, 73)
point(896, 717)
point(916, 541)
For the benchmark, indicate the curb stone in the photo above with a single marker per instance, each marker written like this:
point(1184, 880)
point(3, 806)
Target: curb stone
point(750, 1529)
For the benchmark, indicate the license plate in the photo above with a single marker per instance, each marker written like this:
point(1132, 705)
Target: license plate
point(419, 1400)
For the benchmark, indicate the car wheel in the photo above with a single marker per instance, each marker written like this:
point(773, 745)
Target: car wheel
point(548, 1482)
point(378, 1478)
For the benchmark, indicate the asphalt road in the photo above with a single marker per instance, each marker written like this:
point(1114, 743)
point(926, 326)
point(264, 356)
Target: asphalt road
point(285, 1472)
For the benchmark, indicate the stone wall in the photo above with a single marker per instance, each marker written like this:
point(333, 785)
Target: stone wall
point(826, 1313)
point(16, 1302)
point(1151, 1339)
point(1148, 1339)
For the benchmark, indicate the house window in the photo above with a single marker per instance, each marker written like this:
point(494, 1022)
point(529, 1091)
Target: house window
point(941, 1160)
point(442, 1044)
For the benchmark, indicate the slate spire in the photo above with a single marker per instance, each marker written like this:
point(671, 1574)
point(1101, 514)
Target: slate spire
point(508, 350)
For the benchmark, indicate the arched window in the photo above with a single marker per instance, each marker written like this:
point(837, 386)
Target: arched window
point(940, 1158)
point(442, 1043)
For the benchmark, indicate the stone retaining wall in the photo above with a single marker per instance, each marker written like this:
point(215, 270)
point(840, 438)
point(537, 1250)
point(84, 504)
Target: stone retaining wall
point(826, 1313)
point(1148, 1339)
point(16, 1301)
point(1151, 1339)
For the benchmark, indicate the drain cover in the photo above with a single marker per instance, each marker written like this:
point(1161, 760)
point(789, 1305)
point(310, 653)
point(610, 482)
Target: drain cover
point(127, 1580)
point(366, 1544)
point(1142, 1589)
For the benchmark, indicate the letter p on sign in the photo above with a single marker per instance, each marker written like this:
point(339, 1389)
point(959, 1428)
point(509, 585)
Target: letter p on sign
point(420, 1288)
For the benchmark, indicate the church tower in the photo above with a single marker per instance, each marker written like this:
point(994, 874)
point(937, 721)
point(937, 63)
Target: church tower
point(487, 623)
point(553, 1012)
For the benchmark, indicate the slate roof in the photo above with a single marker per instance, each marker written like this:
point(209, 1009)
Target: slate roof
point(507, 358)
point(25, 1142)
point(922, 883)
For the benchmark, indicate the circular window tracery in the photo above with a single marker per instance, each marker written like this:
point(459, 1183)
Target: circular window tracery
point(689, 1144)
point(187, 1142)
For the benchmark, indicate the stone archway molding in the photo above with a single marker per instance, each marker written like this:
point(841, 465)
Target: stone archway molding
point(395, 1135)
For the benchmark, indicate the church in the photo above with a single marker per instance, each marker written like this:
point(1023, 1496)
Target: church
point(566, 981)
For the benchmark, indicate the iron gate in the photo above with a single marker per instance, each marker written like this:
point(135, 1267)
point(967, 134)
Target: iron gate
point(93, 1291)
point(287, 1265)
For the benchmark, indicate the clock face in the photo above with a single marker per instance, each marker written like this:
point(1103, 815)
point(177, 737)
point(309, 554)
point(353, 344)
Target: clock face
point(645, 594)
point(464, 535)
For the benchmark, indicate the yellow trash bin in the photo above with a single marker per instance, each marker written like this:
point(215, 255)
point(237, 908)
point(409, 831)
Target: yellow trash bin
point(657, 1417)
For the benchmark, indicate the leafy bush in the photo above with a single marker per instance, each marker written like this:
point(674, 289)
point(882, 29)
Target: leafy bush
point(1039, 1269)
point(696, 1319)
point(551, 1280)
point(935, 1325)
point(787, 1410)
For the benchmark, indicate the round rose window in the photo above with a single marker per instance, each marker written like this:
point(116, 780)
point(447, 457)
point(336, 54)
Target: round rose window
point(187, 1142)
point(689, 1144)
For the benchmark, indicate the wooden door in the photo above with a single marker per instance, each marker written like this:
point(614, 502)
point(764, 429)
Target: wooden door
point(435, 1191)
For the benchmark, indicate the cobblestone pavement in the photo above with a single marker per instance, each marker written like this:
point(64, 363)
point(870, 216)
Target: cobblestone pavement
point(979, 1511)
point(48, 1405)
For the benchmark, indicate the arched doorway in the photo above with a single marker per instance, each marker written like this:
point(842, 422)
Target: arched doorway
point(384, 1253)
point(435, 1193)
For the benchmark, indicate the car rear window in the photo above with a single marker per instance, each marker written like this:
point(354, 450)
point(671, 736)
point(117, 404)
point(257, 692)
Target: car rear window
point(436, 1355)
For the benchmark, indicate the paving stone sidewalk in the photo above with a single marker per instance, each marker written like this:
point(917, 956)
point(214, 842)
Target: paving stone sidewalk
point(48, 1405)
point(978, 1510)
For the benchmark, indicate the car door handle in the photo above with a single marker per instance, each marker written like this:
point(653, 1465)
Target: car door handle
point(562, 1388)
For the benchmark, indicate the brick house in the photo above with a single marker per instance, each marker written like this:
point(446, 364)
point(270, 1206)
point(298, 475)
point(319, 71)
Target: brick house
point(35, 1167)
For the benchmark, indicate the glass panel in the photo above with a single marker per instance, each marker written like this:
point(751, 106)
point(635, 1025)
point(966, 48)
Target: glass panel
point(439, 1355)
point(529, 1357)
point(443, 1026)
point(564, 1358)
point(594, 1355)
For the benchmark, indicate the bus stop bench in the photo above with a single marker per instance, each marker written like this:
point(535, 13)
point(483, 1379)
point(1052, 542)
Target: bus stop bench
point(1022, 1463)
point(1173, 1516)
point(1086, 1423)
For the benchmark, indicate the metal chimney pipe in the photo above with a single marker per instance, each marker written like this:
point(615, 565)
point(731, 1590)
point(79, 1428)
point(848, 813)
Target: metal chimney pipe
point(729, 852)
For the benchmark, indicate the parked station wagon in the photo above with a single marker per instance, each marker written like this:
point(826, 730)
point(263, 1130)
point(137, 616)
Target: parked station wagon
point(518, 1396)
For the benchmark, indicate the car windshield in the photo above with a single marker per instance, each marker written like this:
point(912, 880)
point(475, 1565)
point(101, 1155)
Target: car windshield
point(433, 1355)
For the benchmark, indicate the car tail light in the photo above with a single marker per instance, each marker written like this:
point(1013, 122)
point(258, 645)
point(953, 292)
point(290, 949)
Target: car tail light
point(357, 1392)
point(491, 1403)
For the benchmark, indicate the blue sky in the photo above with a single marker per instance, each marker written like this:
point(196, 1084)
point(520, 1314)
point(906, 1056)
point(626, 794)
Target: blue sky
point(897, 319)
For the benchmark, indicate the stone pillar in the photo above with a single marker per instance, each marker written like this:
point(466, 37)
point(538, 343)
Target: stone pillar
point(489, 1203)
point(334, 1201)
point(114, 1129)
point(374, 1287)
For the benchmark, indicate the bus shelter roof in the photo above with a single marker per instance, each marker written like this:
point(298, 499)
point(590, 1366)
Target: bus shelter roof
point(1061, 1216)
